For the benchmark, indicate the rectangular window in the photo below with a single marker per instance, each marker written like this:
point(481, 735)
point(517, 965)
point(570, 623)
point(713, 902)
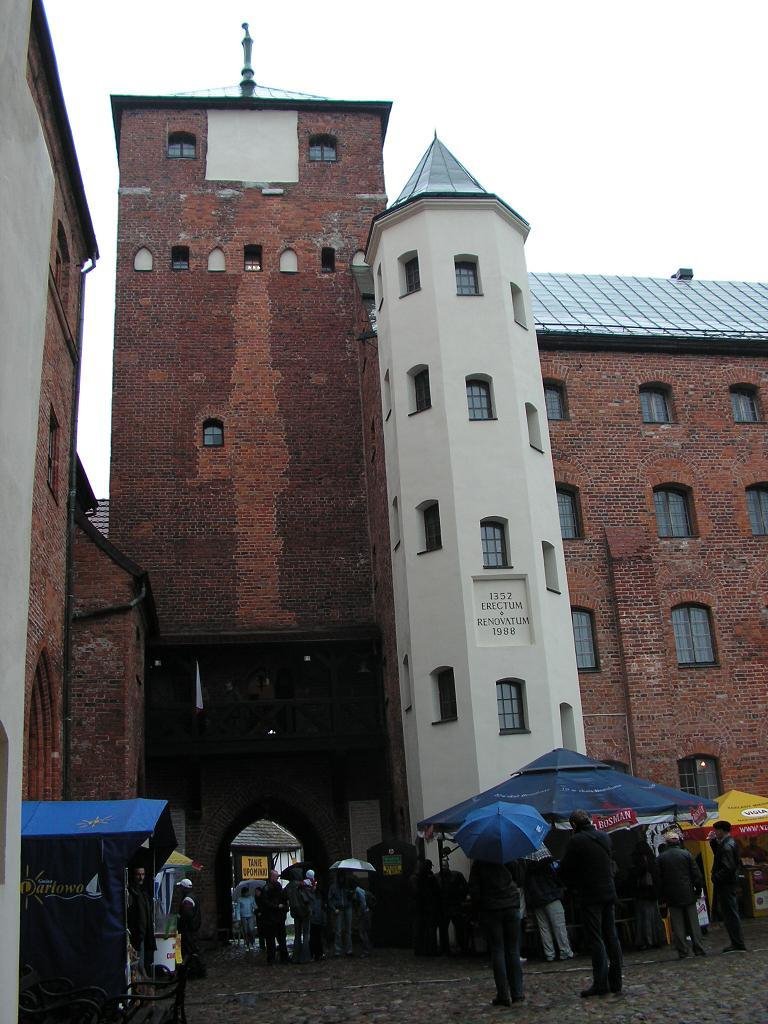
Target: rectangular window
point(422, 393)
point(494, 545)
point(328, 260)
point(584, 639)
point(466, 278)
point(509, 704)
point(446, 694)
point(757, 505)
point(53, 450)
point(699, 775)
point(555, 402)
point(693, 636)
point(744, 406)
point(180, 257)
point(432, 537)
point(252, 258)
point(654, 406)
point(569, 518)
point(412, 279)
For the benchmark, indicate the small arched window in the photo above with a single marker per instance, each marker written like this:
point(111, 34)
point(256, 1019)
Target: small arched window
point(216, 261)
point(213, 434)
point(143, 260)
point(181, 146)
point(322, 149)
point(555, 400)
point(510, 705)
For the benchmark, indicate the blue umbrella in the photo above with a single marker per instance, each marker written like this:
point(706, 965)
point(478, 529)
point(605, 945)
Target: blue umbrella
point(501, 832)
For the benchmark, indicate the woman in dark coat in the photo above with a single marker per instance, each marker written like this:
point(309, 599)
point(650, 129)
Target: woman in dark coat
point(496, 901)
point(644, 880)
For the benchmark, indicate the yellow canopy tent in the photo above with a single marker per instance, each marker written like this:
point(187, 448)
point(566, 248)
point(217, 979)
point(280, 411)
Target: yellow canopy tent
point(748, 815)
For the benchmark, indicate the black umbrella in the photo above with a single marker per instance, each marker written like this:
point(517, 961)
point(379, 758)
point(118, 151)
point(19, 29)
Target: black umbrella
point(297, 870)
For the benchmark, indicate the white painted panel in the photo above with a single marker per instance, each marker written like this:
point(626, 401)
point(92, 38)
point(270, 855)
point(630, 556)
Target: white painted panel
point(252, 145)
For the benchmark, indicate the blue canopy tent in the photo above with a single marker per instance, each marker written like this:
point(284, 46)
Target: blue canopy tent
point(73, 860)
point(564, 781)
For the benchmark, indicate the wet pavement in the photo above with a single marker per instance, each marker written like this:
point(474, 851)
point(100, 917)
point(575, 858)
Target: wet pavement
point(395, 987)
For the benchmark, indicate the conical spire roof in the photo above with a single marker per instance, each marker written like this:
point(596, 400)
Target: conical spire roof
point(439, 173)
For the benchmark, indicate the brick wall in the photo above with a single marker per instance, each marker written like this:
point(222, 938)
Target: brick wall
point(268, 532)
point(107, 683)
point(45, 668)
point(631, 579)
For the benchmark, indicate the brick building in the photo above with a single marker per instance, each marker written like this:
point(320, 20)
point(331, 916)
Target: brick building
point(253, 476)
point(238, 477)
point(656, 391)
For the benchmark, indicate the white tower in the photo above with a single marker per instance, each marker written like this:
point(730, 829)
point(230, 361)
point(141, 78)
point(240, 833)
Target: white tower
point(484, 635)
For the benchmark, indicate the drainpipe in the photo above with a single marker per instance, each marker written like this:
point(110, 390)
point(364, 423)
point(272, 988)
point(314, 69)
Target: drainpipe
point(66, 718)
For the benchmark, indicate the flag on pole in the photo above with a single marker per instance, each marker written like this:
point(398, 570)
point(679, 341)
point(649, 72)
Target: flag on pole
point(198, 690)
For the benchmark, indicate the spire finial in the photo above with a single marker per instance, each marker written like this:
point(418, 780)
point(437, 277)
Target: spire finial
point(247, 84)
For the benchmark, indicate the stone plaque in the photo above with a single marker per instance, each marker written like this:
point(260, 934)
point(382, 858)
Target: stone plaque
point(502, 612)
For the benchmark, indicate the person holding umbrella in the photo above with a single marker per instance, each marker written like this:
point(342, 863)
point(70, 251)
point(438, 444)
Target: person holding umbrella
point(494, 836)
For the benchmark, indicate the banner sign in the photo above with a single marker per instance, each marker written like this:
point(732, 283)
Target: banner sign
point(624, 818)
point(252, 868)
point(698, 814)
point(392, 864)
point(72, 895)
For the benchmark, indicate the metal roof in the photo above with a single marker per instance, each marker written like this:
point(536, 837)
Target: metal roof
point(440, 173)
point(651, 307)
point(264, 92)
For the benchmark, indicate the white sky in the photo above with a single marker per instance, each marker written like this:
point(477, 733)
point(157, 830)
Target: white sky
point(631, 136)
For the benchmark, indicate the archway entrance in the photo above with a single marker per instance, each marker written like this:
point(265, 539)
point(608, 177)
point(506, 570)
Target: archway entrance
point(278, 831)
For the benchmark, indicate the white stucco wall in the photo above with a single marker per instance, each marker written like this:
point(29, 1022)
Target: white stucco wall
point(252, 145)
point(26, 209)
point(475, 470)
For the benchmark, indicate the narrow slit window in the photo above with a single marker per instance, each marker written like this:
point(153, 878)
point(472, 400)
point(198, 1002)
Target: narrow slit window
point(446, 695)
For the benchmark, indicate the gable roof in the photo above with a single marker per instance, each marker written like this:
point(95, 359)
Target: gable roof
point(649, 307)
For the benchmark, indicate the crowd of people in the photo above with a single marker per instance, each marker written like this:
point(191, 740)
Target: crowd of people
point(589, 870)
point(335, 920)
point(448, 911)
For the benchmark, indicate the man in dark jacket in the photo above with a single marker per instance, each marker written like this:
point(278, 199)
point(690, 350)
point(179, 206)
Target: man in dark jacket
point(496, 901)
point(587, 868)
point(141, 919)
point(274, 907)
point(725, 878)
point(453, 895)
point(681, 882)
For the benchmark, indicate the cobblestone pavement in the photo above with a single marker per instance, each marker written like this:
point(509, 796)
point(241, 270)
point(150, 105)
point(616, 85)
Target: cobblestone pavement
point(395, 987)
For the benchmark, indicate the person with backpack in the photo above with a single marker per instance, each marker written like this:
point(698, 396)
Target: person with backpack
point(588, 868)
point(496, 902)
point(725, 879)
point(299, 901)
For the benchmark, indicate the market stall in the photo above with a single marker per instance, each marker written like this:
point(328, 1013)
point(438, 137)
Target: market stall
point(748, 815)
point(74, 856)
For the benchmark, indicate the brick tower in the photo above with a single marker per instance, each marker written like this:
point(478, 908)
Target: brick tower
point(238, 478)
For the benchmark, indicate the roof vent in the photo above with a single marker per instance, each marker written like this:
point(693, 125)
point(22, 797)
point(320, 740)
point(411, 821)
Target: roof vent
point(683, 274)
